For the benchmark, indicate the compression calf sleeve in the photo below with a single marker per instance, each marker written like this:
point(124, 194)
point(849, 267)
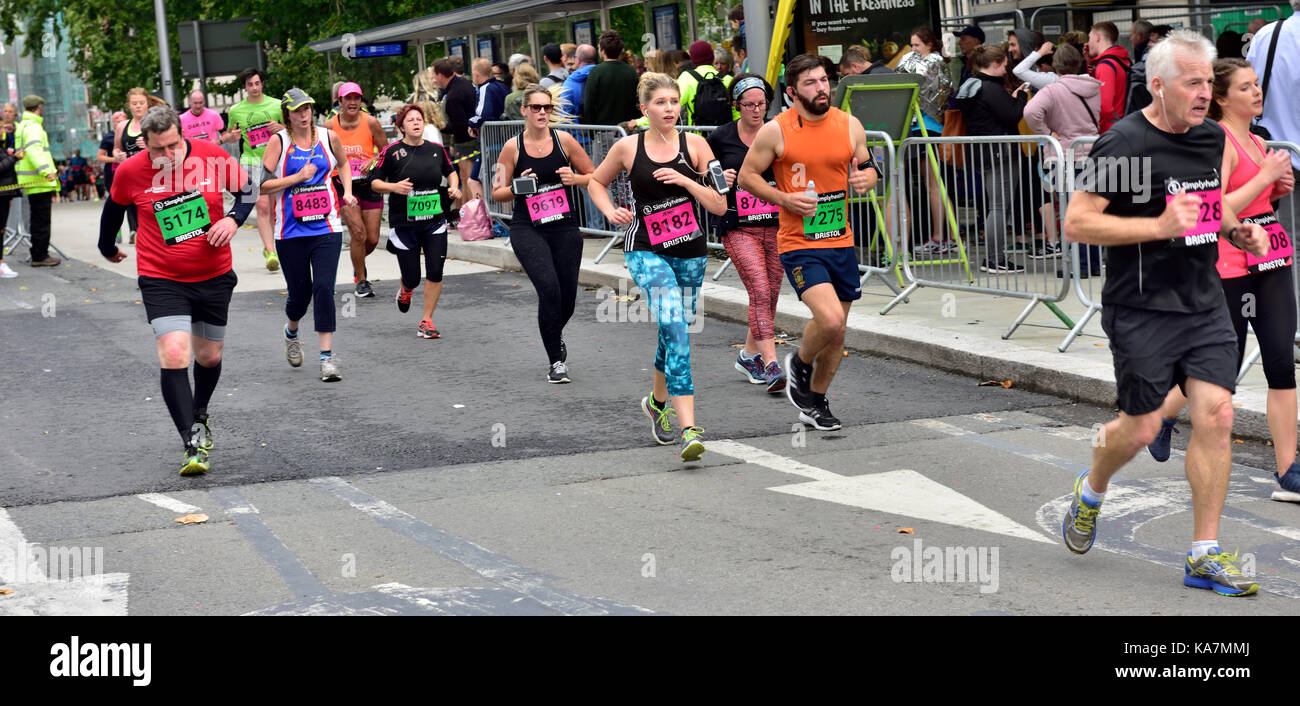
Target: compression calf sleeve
point(179, 398)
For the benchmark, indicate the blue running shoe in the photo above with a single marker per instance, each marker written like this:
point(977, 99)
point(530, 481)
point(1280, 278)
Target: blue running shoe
point(1079, 527)
point(1288, 484)
point(1218, 572)
point(1160, 447)
point(752, 368)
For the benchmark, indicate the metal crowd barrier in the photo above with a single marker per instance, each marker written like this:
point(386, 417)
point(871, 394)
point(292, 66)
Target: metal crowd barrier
point(595, 139)
point(953, 185)
point(1087, 287)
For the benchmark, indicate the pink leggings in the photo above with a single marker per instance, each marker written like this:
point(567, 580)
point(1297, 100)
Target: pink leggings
point(753, 252)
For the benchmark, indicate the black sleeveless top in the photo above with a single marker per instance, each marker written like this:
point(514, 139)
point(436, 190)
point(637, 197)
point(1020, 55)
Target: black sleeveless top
point(554, 205)
point(128, 140)
point(666, 218)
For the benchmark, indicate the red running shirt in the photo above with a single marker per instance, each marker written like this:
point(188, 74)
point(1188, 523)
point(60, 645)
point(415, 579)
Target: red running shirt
point(207, 171)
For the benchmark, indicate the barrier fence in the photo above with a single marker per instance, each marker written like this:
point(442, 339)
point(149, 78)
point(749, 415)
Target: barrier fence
point(980, 215)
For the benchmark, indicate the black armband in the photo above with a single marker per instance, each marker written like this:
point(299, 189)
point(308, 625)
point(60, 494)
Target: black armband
point(245, 200)
point(110, 223)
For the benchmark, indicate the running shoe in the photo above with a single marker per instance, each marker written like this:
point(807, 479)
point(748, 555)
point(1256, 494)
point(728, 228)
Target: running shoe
point(1160, 447)
point(196, 461)
point(272, 262)
point(1003, 266)
point(404, 298)
point(293, 350)
point(559, 373)
point(1043, 251)
point(820, 417)
point(660, 418)
point(329, 370)
point(427, 330)
point(1289, 484)
point(932, 247)
point(798, 378)
point(1079, 528)
point(692, 444)
point(751, 368)
point(775, 378)
point(1218, 572)
point(7, 272)
point(201, 423)
point(364, 289)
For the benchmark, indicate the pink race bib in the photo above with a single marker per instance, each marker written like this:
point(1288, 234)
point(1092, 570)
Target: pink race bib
point(672, 223)
point(1209, 219)
point(259, 135)
point(548, 206)
point(355, 165)
point(751, 208)
point(311, 203)
point(1280, 246)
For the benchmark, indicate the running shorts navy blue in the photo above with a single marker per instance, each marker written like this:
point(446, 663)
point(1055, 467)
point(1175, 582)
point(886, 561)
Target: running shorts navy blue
point(811, 266)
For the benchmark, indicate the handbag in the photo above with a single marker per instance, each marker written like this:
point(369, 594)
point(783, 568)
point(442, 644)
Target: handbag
point(475, 223)
point(954, 125)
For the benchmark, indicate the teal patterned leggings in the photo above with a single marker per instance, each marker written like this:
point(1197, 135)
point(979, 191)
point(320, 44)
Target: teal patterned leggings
point(672, 287)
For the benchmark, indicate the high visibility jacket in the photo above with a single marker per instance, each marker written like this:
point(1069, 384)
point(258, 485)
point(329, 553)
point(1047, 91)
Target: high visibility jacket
point(36, 163)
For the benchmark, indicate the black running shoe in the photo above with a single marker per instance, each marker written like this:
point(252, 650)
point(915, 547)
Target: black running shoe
point(559, 373)
point(364, 289)
point(820, 417)
point(798, 380)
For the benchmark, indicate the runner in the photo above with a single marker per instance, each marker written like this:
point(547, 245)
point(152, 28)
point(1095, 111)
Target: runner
point(816, 150)
point(1163, 306)
point(184, 264)
point(748, 233)
point(411, 171)
point(201, 122)
point(110, 157)
point(1258, 291)
point(130, 140)
point(306, 223)
point(543, 231)
point(363, 138)
point(254, 120)
point(664, 246)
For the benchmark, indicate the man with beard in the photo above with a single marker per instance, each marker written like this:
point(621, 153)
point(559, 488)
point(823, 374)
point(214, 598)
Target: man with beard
point(814, 151)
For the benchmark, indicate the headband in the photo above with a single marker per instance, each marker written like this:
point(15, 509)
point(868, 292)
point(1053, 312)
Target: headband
point(744, 84)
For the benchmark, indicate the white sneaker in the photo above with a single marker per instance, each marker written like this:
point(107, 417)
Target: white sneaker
point(7, 272)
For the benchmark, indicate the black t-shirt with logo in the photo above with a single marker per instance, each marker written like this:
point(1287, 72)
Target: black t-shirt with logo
point(730, 151)
point(1176, 275)
point(425, 166)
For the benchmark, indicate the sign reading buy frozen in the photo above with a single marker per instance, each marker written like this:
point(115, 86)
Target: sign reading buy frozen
point(883, 27)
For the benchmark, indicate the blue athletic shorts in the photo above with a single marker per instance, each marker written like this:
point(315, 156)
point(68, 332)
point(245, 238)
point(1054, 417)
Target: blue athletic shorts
point(811, 266)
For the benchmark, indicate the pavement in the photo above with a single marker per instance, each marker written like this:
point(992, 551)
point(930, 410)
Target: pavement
point(445, 477)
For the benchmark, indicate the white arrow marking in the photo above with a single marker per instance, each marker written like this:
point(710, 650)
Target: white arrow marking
point(901, 492)
point(36, 594)
point(167, 503)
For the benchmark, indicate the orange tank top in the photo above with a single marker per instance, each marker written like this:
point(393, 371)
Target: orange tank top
point(818, 151)
point(358, 143)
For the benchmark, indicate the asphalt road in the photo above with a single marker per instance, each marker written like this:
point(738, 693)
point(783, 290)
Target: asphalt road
point(447, 477)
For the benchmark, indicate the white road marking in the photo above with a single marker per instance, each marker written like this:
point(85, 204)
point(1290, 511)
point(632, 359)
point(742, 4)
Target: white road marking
point(248, 509)
point(901, 492)
point(34, 593)
point(167, 503)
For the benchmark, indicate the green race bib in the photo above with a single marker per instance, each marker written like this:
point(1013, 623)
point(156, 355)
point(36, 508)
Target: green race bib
point(423, 204)
point(829, 220)
point(182, 217)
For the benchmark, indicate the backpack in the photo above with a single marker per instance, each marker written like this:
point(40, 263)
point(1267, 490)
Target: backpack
point(475, 223)
point(1138, 96)
point(711, 106)
point(1125, 70)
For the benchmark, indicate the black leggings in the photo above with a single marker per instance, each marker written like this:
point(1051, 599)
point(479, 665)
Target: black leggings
point(418, 238)
point(1267, 301)
point(551, 258)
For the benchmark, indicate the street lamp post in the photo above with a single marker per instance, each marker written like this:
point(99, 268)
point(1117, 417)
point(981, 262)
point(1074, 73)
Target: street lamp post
point(164, 52)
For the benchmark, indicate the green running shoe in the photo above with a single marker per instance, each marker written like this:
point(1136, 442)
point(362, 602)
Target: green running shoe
point(1079, 527)
point(202, 420)
point(196, 461)
point(692, 444)
point(1218, 572)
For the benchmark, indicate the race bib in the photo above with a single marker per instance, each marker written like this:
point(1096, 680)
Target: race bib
point(751, 209)
point(1209, 220)
point(1279, 244)
point(259, 134)
point(310, 203)
point(182, 217)
point(828, 221)
point(423, 205)
point(672, 225)
point(548, 205)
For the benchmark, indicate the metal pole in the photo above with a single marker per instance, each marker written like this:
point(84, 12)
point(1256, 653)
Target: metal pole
point(419, 48)
point(164, 53)
point(533, 50)
point(758, 35)
point(604, 20)
point(198, 54)
point(690, 22)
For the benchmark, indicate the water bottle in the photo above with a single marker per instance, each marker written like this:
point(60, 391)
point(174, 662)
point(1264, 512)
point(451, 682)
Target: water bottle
point(811, 191)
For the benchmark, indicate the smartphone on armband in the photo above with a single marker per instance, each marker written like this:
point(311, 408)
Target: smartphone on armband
point(718, 177)
point(524, 186)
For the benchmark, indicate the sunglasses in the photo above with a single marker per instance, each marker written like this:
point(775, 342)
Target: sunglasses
point(539, 108)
